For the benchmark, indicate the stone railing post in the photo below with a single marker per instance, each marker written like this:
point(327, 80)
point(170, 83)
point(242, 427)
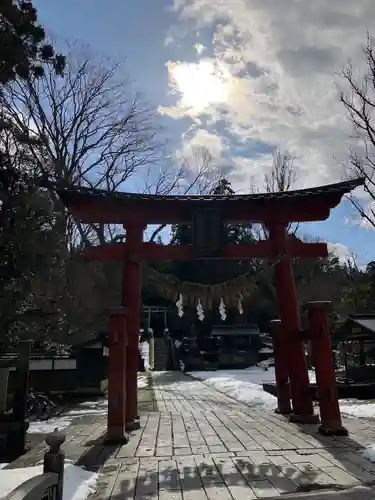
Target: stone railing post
point(321, 350)
point(288, 307)
point(54, 460)
point(281, 367)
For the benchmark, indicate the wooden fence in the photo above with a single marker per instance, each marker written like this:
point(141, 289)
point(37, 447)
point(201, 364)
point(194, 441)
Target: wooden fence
point(84, 371)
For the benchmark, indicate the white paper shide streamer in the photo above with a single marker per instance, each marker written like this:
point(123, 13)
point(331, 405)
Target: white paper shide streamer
point(180, 306)
point(222, 310)
point(200, 312)
point(240, 304)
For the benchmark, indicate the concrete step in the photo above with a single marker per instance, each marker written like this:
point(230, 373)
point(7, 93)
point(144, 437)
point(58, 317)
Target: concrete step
point(160, 354)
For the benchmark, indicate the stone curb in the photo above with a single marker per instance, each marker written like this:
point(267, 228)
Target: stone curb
point(331, 494)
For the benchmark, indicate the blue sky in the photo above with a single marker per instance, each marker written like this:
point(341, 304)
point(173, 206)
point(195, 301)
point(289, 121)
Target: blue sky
point(241, 79)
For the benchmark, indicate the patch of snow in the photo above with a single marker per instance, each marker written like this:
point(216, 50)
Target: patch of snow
point(266, 350)
point(268, 344)
point(88, 411)
point(38, 427)
point(78, 483)
point(144, 349)
point(244, 385)
point(142, 382)
point(96, 408)
point(356, 408)
point(266, 363)
point(369, 453)
point(101, 403)
point(3, 465)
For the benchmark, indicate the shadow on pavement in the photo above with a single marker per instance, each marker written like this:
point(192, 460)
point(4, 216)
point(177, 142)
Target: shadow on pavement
point(163, 476)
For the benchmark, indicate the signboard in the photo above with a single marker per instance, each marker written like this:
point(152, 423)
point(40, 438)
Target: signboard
point(208, 233)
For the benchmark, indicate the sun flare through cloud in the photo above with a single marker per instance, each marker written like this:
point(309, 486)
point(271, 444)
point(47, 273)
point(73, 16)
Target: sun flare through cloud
point(271, 78)
point(201, 84)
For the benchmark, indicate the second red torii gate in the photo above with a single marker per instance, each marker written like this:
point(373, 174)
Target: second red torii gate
point(136, 211)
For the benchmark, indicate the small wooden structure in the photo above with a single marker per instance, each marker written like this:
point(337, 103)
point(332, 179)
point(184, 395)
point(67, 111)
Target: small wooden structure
point(209, 216)
point(238, 345)
point(355, 338)
point(156, 323)
point(152, 313)
point(223, 347)
point(92, 362)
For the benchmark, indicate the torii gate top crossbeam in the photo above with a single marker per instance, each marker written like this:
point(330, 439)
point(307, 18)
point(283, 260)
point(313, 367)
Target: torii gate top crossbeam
point(98, 206)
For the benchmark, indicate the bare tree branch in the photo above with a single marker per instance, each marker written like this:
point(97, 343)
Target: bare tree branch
point(91, 130)
point(195, 175)
point(358, 97)
point(280, 177)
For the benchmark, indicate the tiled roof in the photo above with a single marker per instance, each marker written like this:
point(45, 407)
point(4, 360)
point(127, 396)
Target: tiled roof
point(88, 193)
point(366, 321)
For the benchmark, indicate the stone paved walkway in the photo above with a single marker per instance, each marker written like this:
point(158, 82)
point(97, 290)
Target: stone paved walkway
point(196, 443)
point(202, 444)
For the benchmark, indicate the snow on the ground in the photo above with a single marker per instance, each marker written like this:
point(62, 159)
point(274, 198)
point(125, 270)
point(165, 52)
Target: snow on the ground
point(243, 385)
point(246, 386)
point(142, 381)
point(144, 349)
point(357, 408)
point(369, 453)
point(78, 483)
point(239, 385)
point(95, 408)
point(39, 427)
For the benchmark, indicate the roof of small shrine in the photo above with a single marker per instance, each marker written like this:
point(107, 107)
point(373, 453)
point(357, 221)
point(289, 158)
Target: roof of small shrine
point(96, 205)
point(363, 324)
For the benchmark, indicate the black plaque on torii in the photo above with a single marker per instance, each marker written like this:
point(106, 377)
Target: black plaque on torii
point(209, 235)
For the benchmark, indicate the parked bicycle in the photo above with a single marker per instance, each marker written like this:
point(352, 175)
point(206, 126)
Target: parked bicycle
point(43, 406)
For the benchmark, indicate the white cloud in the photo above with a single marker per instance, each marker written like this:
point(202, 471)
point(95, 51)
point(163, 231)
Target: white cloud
point(201, 138)
point(249, 172)
point(341, 251)
point(201, 87)
point(279, 59)
point(364, 216)
point(369, 220)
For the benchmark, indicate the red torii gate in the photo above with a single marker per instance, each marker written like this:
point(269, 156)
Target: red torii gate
point(275, 210)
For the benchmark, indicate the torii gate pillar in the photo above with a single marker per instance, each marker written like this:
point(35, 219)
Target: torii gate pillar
point(324, 369)
point(303, 410)
point(117, 376)
point(280, 348)
point(132, 299)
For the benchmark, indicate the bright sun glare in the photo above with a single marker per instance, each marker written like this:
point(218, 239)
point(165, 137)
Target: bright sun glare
point(200, 84)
